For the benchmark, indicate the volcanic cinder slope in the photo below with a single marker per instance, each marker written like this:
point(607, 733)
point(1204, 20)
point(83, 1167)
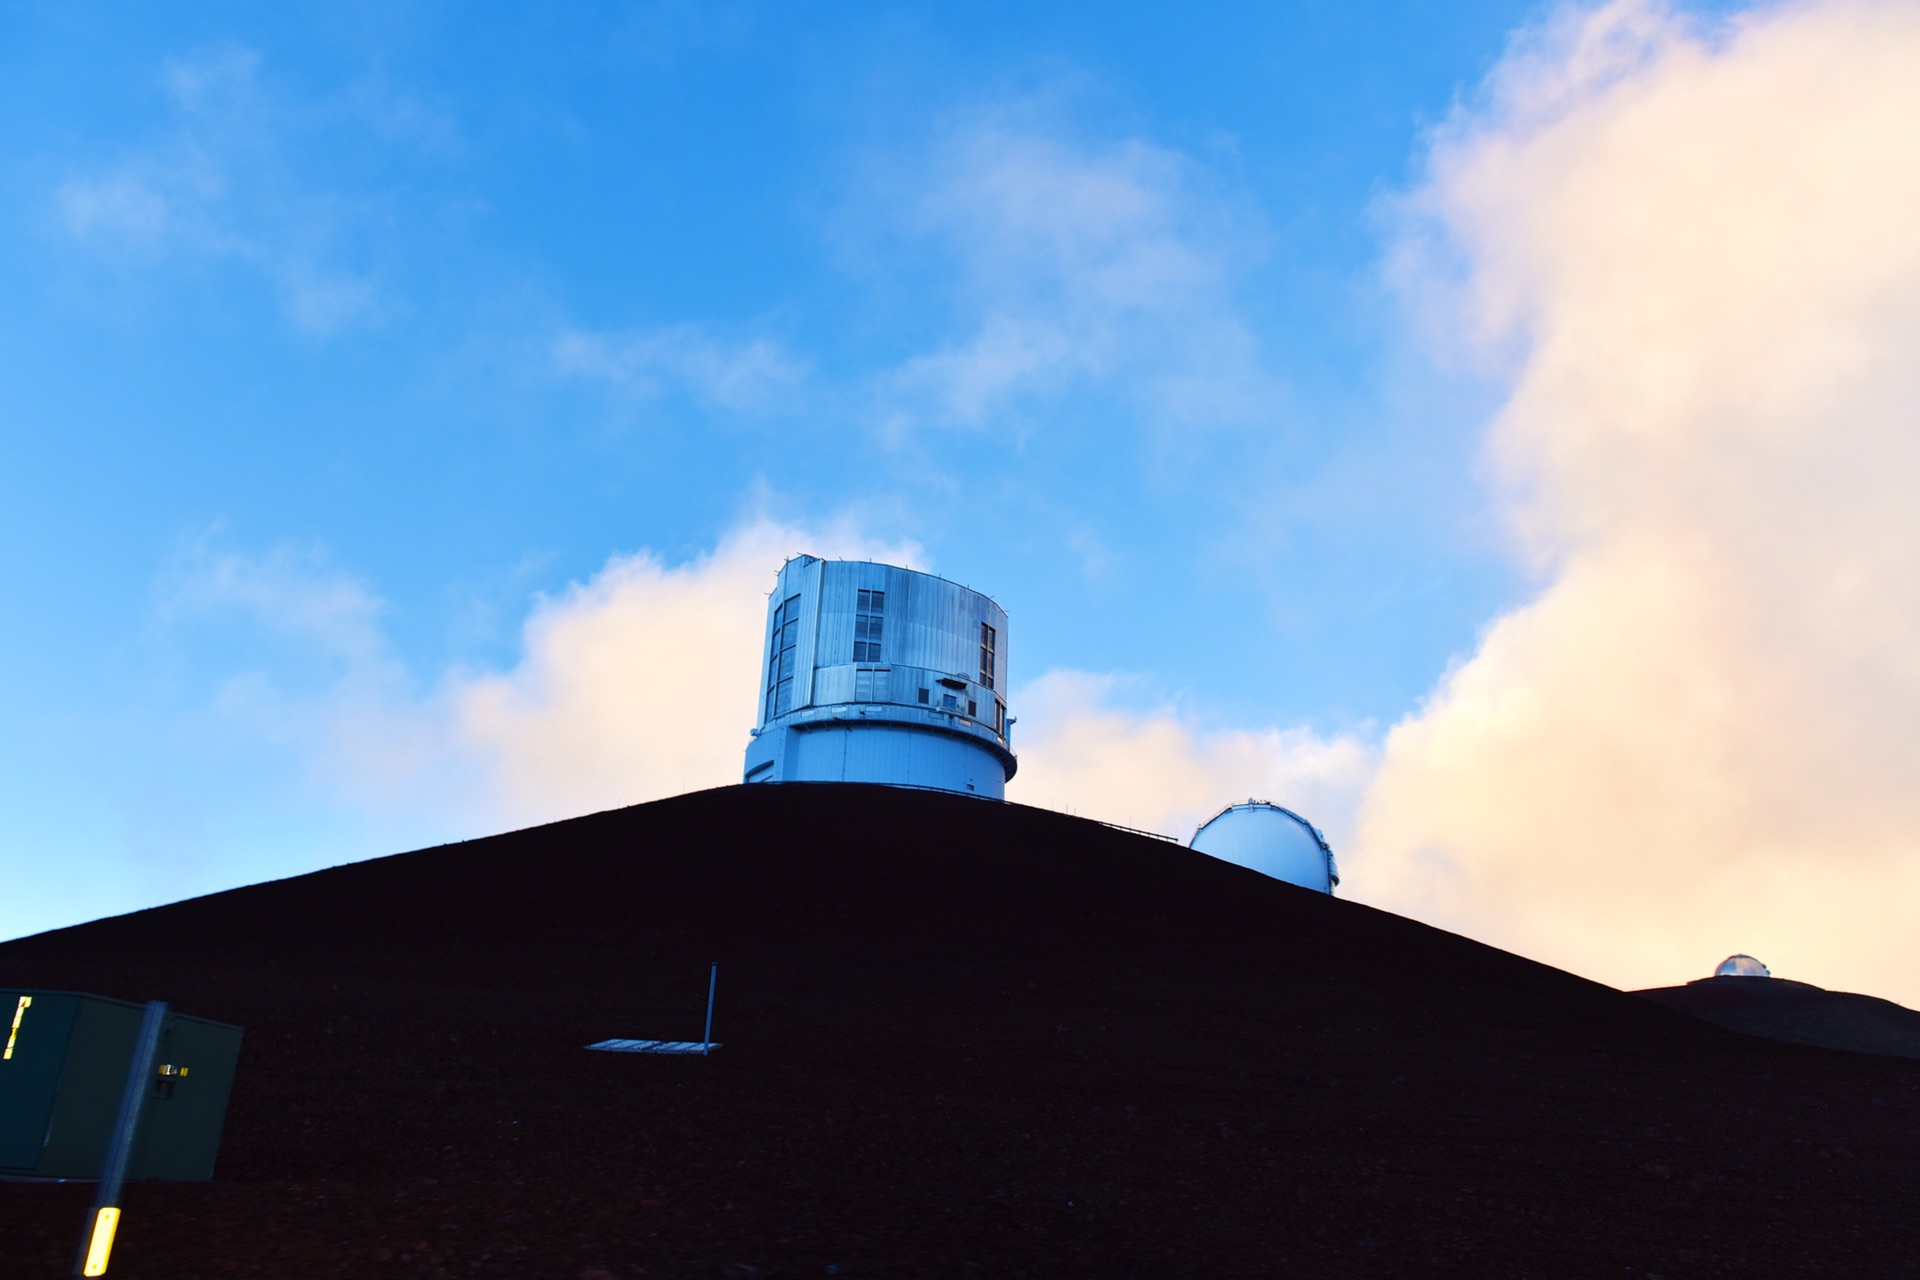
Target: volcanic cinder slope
point(961, 1039)
point(1781, 1009)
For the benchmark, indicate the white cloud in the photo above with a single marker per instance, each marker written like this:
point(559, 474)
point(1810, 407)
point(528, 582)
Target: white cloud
point(116, 204)
point(293, 591)
point(750, 376)
point(224, 180)
point(1077, 267)
point(320, 299)
point(426, 125)
point(1694, 244)
point(327, 685)
point(220, 81)
point(1083, 749)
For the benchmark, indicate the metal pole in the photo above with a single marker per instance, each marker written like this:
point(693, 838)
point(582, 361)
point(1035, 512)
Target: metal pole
point(713, 980)
point(96, 1242)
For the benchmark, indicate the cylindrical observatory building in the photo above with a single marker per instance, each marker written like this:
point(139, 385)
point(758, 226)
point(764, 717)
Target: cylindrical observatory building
point(873, 673)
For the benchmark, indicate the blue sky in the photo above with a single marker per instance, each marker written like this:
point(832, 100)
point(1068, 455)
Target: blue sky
point(349, 355)
point(294, 282)
point(322, 309)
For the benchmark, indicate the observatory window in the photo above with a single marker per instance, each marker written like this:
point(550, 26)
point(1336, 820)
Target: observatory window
point(988, 643)
point(780, 655)
point(866, 626)
point(923, 696)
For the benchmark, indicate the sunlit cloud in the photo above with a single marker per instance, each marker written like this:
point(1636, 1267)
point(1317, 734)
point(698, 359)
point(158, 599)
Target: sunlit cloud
point(640, 682)
point(1691, 245)
point(620, 692)
point(1087, 746)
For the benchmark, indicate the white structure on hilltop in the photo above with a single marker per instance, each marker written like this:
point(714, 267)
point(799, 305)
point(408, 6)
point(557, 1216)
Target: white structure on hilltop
point(1271, 840)
point(1742, 966)
point(873, 673)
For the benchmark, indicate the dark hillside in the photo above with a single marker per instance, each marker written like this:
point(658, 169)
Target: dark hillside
point(1782, 1009)
point(961, 1039)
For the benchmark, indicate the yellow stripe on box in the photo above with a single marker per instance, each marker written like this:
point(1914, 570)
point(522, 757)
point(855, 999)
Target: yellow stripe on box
point(102, 1243)
point(19, 1012)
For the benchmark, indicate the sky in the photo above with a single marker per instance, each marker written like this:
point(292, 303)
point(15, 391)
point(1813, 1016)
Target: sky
point(1486, 428)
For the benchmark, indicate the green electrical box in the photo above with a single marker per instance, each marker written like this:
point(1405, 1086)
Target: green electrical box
point(63, 1069)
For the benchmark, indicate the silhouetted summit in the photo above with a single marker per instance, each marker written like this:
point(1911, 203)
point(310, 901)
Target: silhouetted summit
point(961, 1039)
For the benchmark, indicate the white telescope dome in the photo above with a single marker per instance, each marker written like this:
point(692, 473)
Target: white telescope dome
point(1274, 841)
point(1741, 966)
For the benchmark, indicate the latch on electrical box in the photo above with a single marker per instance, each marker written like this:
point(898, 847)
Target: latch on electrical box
point(166, 1077)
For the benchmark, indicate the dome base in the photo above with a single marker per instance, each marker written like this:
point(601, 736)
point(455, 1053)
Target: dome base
point(902, 755)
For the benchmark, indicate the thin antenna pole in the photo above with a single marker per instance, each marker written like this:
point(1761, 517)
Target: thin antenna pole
point(713, 980)
point(96, 1242)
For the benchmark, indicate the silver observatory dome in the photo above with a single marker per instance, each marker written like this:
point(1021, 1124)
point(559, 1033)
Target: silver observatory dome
point(1741, 966)
point(1274, 841)
point(874, 673)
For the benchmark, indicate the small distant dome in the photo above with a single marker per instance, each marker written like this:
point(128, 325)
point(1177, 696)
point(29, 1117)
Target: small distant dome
point(1273, 841)
point(1741, 967)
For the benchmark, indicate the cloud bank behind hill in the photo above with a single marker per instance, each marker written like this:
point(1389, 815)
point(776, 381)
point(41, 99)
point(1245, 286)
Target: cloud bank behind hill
point(1691, 247)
